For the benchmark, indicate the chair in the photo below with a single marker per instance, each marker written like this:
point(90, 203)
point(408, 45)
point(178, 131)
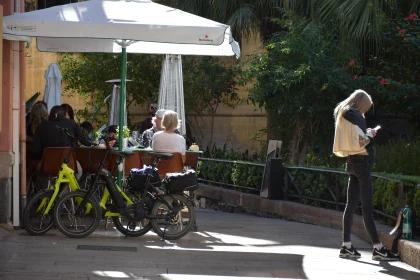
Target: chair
point(174, 164)
point(53, 157)
point(50, 164)
point(133, 161)
point(89, 159)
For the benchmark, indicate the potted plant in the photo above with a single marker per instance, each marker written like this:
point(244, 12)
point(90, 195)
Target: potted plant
point(126, 135)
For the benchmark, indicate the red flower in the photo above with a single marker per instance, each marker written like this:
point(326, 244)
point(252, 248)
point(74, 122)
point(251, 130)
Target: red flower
point(404, 39)
point(402, 32)
point(384, 81)
point(351, 63)
point(413, 17)
point(355, 77)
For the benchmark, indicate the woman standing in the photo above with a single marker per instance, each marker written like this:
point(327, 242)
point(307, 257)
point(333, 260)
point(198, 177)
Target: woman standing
point(354, 141)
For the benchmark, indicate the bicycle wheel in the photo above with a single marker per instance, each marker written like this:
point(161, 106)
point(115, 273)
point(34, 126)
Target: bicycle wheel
point(81, 225)
point(34, 220)
point(174, 225)
point(132, 228)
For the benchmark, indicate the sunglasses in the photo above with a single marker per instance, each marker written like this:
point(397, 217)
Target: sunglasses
point(151, 107)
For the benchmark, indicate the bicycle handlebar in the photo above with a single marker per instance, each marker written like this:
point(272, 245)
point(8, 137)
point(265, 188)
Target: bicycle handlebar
point(82, 139)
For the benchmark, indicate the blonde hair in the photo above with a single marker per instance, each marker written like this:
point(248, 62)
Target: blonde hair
point(38, 114)
point(359, 100)
point(170, 120)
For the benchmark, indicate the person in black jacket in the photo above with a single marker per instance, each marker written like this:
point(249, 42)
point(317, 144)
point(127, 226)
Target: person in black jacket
point(46, 134)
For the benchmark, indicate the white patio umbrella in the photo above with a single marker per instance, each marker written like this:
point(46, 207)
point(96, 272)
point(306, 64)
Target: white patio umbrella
point(52, 92)
point(100, 26)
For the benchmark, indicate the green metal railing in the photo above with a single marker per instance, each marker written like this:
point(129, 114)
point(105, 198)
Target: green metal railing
point(312, 186)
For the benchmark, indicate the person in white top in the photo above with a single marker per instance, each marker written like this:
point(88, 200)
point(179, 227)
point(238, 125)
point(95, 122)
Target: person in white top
point(167, 141)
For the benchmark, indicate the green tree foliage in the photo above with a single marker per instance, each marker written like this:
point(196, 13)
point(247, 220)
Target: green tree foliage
point(299, 80)
point(86, 74)
point(245, 17)
point(395, 74)
point(207, 85)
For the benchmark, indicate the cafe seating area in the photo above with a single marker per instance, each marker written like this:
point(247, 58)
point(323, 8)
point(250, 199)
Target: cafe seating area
point(89, 159)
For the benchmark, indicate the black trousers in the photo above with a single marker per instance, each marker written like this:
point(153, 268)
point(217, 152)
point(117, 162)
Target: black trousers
point(359, 188)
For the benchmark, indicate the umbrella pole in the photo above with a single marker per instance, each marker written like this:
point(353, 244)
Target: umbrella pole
point(122, 109)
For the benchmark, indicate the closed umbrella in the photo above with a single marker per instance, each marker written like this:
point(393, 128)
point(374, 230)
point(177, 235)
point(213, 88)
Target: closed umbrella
point(52, 92)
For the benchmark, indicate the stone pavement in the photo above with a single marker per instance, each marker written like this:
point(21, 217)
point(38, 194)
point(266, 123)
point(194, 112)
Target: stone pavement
point(227, 246)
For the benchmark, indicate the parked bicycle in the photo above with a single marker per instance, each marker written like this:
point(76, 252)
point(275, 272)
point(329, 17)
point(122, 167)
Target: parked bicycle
point(171, 215)
point(37, 214)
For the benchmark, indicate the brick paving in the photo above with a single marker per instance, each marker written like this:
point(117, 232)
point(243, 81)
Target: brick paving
point(227, 246)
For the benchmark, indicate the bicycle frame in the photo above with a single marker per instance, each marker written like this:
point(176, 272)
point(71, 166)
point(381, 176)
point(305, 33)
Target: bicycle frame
point(65, 175)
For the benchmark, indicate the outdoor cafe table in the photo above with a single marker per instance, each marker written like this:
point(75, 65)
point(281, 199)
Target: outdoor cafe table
point(87, 156)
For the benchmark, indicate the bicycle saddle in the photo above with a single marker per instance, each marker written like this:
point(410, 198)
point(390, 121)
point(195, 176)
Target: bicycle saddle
point(123, 153)
point(162, 155)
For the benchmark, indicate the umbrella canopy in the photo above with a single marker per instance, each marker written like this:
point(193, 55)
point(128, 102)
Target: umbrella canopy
point(93, 26)
point(90, 25)
point(52, 92)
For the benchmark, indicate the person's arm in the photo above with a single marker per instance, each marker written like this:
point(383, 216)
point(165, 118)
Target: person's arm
point(154, 142)
point(183, 153)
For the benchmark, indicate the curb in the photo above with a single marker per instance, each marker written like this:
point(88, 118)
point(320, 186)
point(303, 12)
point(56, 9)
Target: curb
point(409, 251)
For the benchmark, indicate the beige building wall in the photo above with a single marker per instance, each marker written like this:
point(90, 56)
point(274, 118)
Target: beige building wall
point(36, 65)
point(235, 127)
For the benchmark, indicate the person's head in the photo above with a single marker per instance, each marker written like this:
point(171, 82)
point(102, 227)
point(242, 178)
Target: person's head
point(157, 119)
point(86, 126)
point(39, 113)
point(43, 103)
point(170, 120)
point(359, 100)
point(153, 108)
point(53, 112)
point(69, 111)
point(112, 130)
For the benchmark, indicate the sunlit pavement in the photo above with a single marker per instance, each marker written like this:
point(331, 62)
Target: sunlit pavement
point(227, 246)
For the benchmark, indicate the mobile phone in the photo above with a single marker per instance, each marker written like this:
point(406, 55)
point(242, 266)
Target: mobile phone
point(377, 128)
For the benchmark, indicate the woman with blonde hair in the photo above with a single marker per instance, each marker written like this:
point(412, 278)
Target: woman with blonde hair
point(354, 140)
point(168, 141)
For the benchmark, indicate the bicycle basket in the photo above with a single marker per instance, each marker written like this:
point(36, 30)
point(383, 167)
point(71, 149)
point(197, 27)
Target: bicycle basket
point(180, 181)
point(137, 178)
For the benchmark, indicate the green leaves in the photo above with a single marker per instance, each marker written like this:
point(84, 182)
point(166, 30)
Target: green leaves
point(86, 74)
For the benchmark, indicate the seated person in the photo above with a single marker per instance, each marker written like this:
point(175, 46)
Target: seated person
point(168, 141)
point(53, 112)
point(112, 131)
point(147, 123)
point(87, 129)
point(69, 111)
point(38, 114)
point(46, 135)
point(147, 136)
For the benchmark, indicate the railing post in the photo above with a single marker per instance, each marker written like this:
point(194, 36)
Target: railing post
point(286, 183)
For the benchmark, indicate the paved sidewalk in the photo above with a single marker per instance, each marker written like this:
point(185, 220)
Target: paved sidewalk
point(227, 246)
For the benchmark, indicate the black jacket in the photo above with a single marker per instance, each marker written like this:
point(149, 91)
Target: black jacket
point(47, 136)
point(356, 118)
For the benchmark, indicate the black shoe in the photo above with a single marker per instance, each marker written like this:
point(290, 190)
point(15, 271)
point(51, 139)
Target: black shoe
point(384, 255)
point(349, 253)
